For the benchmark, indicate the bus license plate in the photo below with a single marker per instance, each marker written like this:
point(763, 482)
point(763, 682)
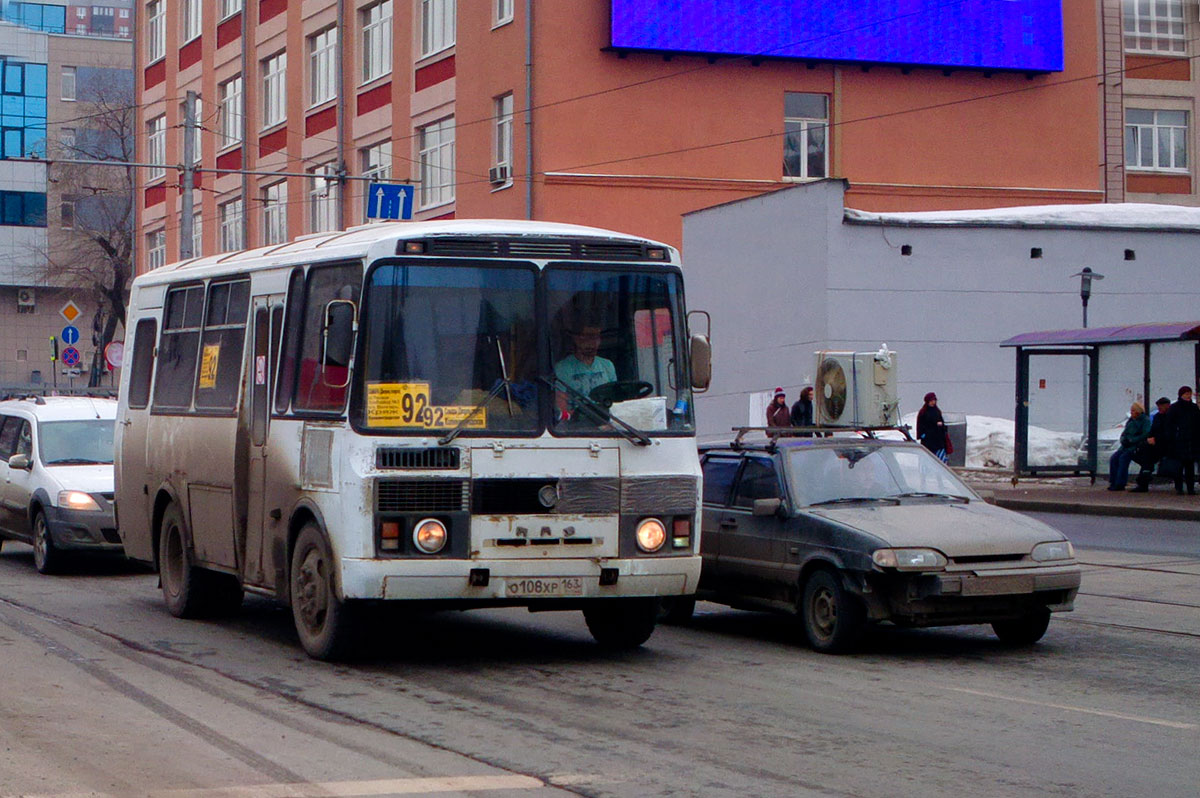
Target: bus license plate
point(545, 588)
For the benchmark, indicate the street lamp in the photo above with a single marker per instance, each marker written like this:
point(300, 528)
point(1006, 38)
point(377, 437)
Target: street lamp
point(1085, 287)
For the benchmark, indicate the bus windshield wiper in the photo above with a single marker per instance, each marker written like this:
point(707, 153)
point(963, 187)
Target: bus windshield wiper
point(600, 413)
point(452, 434)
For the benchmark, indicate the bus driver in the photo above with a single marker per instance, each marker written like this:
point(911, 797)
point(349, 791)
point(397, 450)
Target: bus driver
point(584, 369)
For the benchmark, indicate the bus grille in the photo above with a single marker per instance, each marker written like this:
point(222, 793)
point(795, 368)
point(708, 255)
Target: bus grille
point(422, 495)
point(418, 459)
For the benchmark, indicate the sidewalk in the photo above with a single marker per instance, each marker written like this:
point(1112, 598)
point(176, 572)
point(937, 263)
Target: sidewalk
point(1078, 495)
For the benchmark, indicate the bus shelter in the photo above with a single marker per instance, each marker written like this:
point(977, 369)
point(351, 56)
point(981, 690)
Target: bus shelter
point(1074, 389)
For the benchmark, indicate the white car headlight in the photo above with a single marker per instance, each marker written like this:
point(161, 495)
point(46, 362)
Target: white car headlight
point(1054, 550)
point(77, 500)
point(909, 559)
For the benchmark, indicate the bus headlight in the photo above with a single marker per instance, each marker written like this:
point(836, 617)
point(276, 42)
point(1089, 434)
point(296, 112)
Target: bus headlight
point(77, 500)
point(430, 535)
point(651, 535)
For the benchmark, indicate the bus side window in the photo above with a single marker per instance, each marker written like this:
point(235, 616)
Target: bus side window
point(177, 350)
point(323, 387)
point(291, 342)
point(221, 345)
point(143, 363)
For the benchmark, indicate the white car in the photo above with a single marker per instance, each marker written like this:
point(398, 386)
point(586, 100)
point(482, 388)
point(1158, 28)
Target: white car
point(1108, 440)
point(56, 476)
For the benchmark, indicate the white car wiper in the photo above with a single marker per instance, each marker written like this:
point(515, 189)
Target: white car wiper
point(919, 494)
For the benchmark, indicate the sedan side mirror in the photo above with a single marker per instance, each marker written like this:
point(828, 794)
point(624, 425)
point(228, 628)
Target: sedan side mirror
point(20, 461)
point(766, 507)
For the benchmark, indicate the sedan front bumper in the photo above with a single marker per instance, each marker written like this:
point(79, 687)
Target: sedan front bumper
point(83, 529)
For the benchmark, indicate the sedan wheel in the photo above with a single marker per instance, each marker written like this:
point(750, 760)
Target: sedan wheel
point(1023, 631)
point(833, 619)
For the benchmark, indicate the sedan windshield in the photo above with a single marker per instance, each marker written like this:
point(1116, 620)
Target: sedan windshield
point(450, 344)
point(85, 442)
point(868, 471)
point(617, 348)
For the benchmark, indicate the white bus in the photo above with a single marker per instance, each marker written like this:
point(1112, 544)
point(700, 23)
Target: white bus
point(454, 414)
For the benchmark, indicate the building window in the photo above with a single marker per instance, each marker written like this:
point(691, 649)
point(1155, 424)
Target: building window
point(231, 111)
point(156, 249)
point(437, 163)
point(377, 40)
point(322, 66)
point(503, 140)
point(66, 213)
point(68, 83)
point(274, 200)
point(1156, 140)
point(437, 26)
point(66, 138)
point(197, 234)
point(156, 31)
point(230, 7)
point(1154, 26)
point(274, 71)
point(504, 11)
point(230, 214)
point(805, 142)
point(22, 209)
point(377, 161)
point(323, 201)
point(192, 21)
point(156, 145)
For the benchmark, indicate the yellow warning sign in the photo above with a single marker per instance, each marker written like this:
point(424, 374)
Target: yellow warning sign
point(208, 365)
point(406, 405)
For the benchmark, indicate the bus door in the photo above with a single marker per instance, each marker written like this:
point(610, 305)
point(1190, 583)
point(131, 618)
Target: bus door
point(267, 322)
point(134, 479)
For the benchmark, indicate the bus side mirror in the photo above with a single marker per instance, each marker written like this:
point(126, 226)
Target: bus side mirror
point(337, 339)
point(701, 362)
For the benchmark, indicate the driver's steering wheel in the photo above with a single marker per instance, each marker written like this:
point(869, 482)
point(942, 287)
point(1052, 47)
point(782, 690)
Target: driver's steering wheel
point(620, 391)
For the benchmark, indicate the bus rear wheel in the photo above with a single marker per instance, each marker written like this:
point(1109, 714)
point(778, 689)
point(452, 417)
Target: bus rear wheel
point(190, 591)
point(323, 621)
point(621, 624)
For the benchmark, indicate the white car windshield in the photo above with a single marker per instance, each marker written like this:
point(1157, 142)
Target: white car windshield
point(867, 470)
point(84, 442)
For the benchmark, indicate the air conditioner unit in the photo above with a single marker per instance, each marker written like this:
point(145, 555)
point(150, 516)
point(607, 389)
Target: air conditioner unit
point(498, 175)
point(856, 389)
point(26, 298)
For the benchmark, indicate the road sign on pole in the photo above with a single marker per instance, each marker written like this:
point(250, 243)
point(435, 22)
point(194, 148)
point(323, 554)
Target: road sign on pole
point(70, 335)
point(71, 356)
point(390, 200)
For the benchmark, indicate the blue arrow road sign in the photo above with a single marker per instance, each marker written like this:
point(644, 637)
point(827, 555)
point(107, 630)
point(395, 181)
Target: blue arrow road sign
point(71, 356)
point(390, 200)
point(70, 335)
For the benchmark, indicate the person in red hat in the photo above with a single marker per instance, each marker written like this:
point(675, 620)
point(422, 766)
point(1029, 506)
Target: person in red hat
point(778, 412)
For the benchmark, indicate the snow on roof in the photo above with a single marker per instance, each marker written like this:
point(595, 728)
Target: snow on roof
point(1110, 216)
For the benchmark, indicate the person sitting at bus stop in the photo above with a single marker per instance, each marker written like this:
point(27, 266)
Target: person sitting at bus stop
point(931, 428)
point(1137, 430)
point(1154, 448)
point(584, 369)
point(778, 414)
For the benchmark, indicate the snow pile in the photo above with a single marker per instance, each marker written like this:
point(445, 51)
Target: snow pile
point(1128, 215)
point(990, 443)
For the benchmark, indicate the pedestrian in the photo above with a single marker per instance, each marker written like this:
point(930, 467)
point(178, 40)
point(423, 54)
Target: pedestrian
point(778, 414)
point(1156, 446)
point(1137, 430)
point(1184, 418)
point(931, 429)
point(802, 411)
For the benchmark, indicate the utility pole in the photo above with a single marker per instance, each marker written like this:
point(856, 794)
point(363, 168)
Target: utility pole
point(188, 178)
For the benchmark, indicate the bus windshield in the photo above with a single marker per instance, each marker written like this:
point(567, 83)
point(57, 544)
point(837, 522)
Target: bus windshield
point(447, 344)
point(454, 346)
point(616, 337)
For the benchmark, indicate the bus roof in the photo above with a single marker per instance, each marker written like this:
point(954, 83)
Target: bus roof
point(372, 241)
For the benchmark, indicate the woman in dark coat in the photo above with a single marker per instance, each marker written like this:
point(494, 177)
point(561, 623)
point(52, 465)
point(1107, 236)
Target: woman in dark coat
point(931, 429)
point(1184, 418)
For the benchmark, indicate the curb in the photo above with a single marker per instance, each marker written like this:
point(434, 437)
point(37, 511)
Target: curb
point(1082, 508)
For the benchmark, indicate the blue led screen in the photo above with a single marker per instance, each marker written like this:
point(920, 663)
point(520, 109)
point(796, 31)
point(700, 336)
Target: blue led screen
point(981, 34)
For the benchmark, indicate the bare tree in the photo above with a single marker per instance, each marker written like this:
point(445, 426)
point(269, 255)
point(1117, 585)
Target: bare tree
point(92, 249)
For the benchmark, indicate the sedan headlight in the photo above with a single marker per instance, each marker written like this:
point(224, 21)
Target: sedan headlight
point(909, 559)
point(430, 535)
point(1054, 550)
point(77, 500)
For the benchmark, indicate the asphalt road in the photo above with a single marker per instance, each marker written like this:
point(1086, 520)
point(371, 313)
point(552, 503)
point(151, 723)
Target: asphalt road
point(1141, 536)
point(105, 694)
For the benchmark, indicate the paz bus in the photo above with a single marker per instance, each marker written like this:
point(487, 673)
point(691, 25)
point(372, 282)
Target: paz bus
point(449, 414)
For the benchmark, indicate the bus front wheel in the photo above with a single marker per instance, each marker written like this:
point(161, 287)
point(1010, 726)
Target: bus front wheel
point(620, 623)
point(323, 621)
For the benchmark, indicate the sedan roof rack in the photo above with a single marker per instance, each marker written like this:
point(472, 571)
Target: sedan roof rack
point(773, 434)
